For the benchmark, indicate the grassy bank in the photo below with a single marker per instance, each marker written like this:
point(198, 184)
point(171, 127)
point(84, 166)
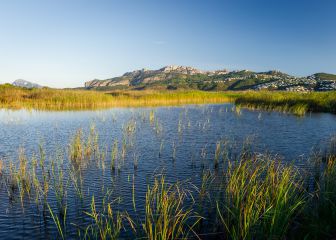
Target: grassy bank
point(54, 99)
point(297, 103)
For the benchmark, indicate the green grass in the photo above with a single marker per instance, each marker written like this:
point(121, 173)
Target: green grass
point(259, 199)
point(107, 224)
point(297, 103)
point(166, 217)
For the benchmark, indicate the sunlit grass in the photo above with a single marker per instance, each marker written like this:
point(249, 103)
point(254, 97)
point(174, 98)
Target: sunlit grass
point(260, 198)
point(166, 216)
point(56, 99)
point(66, 99)
point(297, 103)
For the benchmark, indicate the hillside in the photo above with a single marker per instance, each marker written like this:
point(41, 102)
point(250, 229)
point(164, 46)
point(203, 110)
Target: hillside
point(181, 77)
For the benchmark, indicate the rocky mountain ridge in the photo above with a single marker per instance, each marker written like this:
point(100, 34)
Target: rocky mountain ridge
point(145, 76)
point(182, 77)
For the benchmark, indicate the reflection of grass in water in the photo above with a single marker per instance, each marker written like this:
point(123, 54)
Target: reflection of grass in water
point(114, 154)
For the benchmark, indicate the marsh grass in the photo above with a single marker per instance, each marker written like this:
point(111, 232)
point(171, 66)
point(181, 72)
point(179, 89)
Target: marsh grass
point(288, 102)
point(59, 184)
point(166, 217)
point(84, 149)
point(57, 99)
point(151, 116)
point(59, 221)
point(320, 211)
point(217, 154)
point(260, 199)
point(2, 167)
point(66, 99)
point(106, 224)
point(77, 148)
point(114, 154)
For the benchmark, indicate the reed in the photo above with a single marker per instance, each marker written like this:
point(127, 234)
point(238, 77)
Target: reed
point(151, 116)
point(22, 176)
point(2, 166)
point(320, 211)
point(59, 184)
point(217, 154)
point(60, 222)
point(76, 147)
point(165, 216)
point(107, 224)
point(77, 181)
point(45, 174)
point(91, 145)
point(260, 198)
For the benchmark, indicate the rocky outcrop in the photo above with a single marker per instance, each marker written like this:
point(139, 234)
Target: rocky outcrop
point(25, 84)
point(146, 76)
point(173, 77)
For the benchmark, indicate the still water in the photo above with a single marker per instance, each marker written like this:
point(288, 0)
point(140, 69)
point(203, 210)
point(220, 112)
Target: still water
point(176, 141)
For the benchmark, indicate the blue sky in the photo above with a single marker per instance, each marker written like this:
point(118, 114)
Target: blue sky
point(67, 42)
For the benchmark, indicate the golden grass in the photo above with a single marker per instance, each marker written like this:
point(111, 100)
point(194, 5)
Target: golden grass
point(71, 99)
point(297, 103)
point(56, 99)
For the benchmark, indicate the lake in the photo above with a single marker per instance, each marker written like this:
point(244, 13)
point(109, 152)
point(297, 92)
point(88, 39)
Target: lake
point(179, 142)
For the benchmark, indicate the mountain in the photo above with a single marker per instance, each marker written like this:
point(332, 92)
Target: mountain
point(25, 84)
point(181, 77)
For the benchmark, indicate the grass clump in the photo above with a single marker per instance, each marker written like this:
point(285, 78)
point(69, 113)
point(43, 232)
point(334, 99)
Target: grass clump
point(320, 214)
point(166, 216)
point(106, 224)
point(259, 198)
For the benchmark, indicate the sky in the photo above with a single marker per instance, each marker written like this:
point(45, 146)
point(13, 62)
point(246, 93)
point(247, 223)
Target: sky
point(64, 43)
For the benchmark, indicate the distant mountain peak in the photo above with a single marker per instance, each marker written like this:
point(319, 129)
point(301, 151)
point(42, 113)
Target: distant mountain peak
point(25, 84)
point(184, 69)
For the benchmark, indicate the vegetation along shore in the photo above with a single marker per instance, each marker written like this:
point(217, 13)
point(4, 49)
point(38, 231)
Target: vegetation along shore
point(70, 99)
